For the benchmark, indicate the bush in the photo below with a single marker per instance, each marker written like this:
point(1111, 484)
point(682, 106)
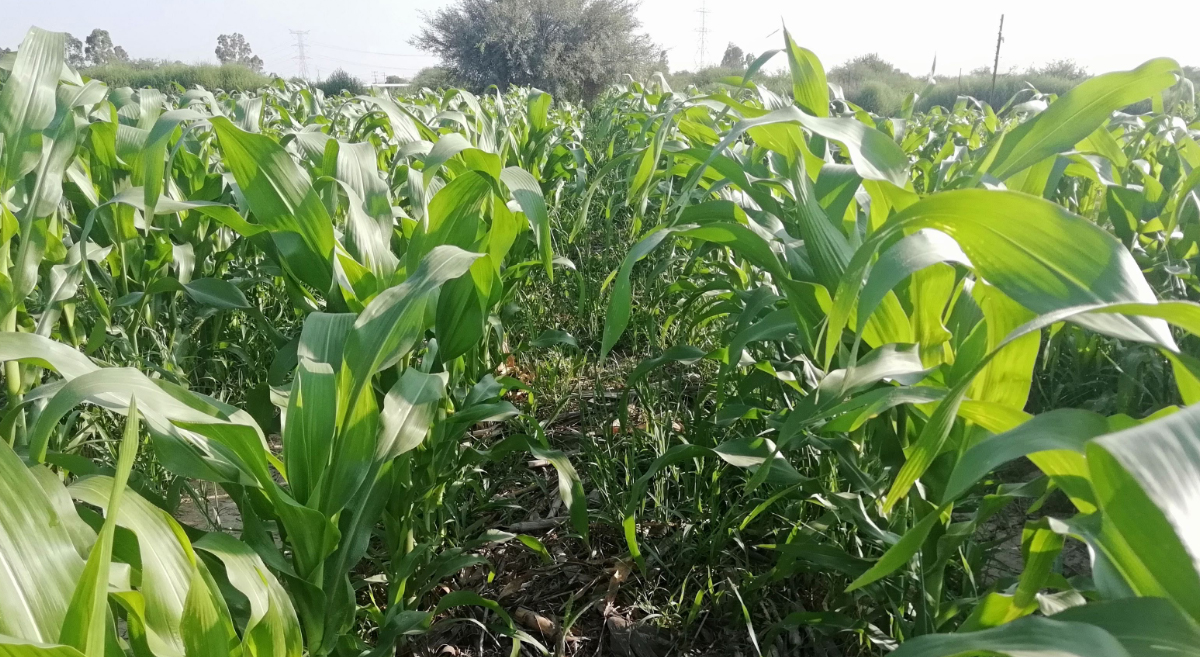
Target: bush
point(705, 79)
point(165, 75)
point(341, 80)
point(948, 89)
point(874, 84)
point(434, 77)
point(878, 97)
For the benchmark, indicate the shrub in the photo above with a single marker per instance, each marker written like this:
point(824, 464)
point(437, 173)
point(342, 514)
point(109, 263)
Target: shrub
point(434, 77)
point(876, 96)
point(341, 80)
point(165, 75)
point(948, 89)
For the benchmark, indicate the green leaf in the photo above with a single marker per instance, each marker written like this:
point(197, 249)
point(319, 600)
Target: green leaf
point(528, 193)
point(273, 629)
point(1064, 429)
point(44, 352)
point(906, 257)
point(552, 337)
point(323, 337)
point(1079, 112)
point(1028, 637)
point(404, 127)
point(682, 353)
point(27, 102)
point(809, 86)
point(875, 156)
point(461, 310)
point(206, 631)
point(88, 617)
point(168, 563)
point(41, 565)
point(1145, 626)
point(454, 216)
point(392, 322)
point(620, 306)
point(283, 200)
point(570, 487)
point(154, 154)
point(904, 549)
point(308, 428)
point(114, 388)
point(217, 293)
point(408, 411)
point(14, 647)
point(1145, 479)
point(369, 221)
point(1014, 242)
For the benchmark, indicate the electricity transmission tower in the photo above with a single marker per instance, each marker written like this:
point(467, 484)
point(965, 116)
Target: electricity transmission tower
point(703, 32)
point(300, 56)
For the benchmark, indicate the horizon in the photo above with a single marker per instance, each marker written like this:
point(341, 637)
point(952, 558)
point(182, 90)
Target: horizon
point(965, 39)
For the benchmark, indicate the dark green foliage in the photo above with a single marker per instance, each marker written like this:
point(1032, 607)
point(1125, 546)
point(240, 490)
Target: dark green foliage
point(165, 75)
point(434, 77)
point(876, 85)
point(341, 80)
point(100, 49)
point(571, 48)
point(234, 49)
point(735, 58)
point(74, 54)
point(948, 89)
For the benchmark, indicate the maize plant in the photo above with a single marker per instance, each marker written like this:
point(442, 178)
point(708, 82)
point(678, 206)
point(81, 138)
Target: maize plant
point(857, 342)
point(155, 233)
point(871, 294)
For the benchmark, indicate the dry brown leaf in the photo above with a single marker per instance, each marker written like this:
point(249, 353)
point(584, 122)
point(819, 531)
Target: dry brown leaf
point(536, 621)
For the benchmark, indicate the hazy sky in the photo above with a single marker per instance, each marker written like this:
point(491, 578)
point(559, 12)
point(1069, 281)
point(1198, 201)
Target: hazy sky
point(369, 37)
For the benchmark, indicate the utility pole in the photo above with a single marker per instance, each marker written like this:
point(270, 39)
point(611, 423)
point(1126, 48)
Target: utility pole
point(703, 32)
point(996, 64)
point(300, 56)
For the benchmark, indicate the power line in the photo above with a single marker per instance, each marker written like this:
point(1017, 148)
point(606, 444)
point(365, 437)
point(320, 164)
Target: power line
point(370, 52)
point(703, 32)
point(300, 57)
point(365, 65)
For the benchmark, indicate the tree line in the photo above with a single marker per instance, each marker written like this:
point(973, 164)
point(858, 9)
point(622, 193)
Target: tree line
point(98, 49)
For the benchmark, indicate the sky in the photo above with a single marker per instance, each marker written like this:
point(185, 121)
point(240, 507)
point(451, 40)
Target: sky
point(370, 38)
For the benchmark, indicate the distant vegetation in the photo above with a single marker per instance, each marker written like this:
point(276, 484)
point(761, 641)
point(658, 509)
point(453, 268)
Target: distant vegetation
point(571, 48)
point(877, 86)
point(593, 43)
point(434, 77)
point(165, 75)
point(341, 80)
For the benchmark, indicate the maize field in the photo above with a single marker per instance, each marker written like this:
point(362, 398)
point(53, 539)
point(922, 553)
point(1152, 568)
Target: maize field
point(674, 373)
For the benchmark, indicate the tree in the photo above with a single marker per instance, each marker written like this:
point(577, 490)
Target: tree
point(99, 49)
point(1062, 68)
point(74, 52)
point(434, 77)
point(341, 80)
point(574, 48)
point(395, 79)
point(234, 49)
point(733, 57)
